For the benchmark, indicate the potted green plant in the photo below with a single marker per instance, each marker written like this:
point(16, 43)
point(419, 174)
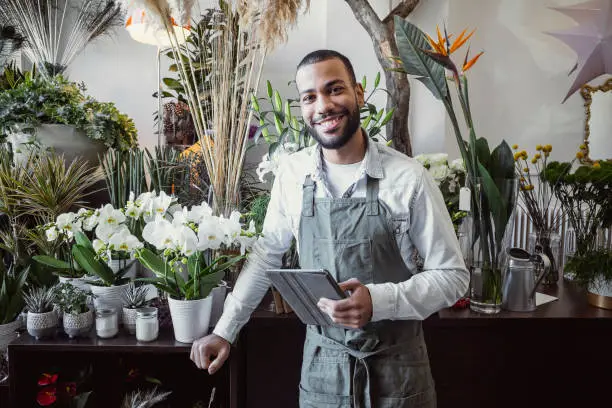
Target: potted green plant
point(108, 285)
point(42, 318)
point(493, 187)
point(57, 114)
point(134, 298)
point(11, 303)
point(188, 263)
point(73, 303)
point(585, 195)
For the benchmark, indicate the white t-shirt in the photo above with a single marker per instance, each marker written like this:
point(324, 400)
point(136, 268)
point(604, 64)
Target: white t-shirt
point(339, 177)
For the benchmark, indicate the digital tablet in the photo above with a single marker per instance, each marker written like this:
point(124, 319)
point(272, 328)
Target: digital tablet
point(302, 289)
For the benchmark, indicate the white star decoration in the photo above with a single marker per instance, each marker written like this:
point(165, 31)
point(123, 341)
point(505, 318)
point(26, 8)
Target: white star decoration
point(591, 39)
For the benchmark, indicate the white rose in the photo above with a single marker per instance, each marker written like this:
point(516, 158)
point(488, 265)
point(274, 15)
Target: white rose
point(457, 165)
point(439, 173)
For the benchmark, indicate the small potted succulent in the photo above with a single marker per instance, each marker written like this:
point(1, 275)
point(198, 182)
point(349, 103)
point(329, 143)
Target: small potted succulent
point(133, 298)
point(42, 318)
point(73, 303)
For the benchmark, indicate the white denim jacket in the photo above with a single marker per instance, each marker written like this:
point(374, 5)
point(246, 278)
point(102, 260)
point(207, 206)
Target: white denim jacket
point(419, 218)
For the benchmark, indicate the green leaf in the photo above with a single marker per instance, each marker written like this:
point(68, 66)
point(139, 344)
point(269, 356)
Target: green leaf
point(172, 83)
point(482, 152)
point(254, 103)
point(82, 240)
point(364, 82)
point(387, 117)
point(278, 123)
point(502, 162)
point(269, 88)
point(153, 262)
point(377, 80)
point(366, 122)
point(51, 262)
point(495, 202)
point(410, 43)
point(278, 102)
point(86, 258)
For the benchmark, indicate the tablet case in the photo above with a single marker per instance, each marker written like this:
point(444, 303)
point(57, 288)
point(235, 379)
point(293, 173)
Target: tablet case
point(302, 289)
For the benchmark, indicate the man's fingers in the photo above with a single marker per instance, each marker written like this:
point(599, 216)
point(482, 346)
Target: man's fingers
point(218, 361)
point(350, 284)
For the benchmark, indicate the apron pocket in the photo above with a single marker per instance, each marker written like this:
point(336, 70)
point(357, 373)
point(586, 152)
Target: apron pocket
point(425, 399)
point(309, 399)
point(345, 258)
point(400, 376)
point(325, 371)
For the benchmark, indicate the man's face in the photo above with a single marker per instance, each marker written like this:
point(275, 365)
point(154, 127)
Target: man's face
point(330, 102)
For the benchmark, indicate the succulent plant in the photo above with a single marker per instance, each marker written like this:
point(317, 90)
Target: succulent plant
point(134, 296)
point(39, 300)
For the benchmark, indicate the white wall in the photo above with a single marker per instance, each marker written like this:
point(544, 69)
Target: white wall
point(516, 88)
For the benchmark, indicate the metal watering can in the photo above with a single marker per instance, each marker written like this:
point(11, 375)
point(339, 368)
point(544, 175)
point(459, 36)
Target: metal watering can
point(519, 279)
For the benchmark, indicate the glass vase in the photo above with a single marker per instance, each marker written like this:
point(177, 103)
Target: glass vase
point(490, 227)
point(548, 243)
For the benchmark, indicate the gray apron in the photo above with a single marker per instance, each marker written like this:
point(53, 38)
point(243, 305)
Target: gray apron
point(385, 363)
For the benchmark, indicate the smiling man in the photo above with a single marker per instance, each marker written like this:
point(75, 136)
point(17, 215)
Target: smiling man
point(358, 209)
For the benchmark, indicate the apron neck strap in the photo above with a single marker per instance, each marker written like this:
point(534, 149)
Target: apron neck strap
point(308, 197)
point(372, 195)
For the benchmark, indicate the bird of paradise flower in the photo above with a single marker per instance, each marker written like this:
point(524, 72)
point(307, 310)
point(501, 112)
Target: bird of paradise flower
point(428, 60)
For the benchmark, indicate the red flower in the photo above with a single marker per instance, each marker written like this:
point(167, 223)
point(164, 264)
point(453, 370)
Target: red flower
point(70, 388)
point(47, 379)
point(46, 396)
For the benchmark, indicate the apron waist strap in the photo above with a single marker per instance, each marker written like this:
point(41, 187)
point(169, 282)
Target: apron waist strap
point(361, 374)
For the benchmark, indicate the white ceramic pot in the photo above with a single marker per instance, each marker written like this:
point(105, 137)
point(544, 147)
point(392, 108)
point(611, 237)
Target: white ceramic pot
point(8, 333)
point(78, 324)
point(190, 318)
point(76, 282)
point(129, 320)
point(218, 295)
point(131, 264)
point(42, 325)
point(109, 297)
point(67, 140)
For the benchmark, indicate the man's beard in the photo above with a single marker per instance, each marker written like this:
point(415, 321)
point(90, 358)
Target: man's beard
point(336, 142)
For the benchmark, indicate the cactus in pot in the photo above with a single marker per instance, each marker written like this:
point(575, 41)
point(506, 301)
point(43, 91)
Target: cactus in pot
point(42, 318)
point(133, 299)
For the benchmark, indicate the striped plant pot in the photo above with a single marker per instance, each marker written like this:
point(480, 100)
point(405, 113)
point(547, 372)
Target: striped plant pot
point(76, 325)
point(129, 320)
point(109, 297)
point(190, 318)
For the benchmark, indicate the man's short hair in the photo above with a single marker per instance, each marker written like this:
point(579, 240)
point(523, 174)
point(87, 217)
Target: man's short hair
point(324, 55)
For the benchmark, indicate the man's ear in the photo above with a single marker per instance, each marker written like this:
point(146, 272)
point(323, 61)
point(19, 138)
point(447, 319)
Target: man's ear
point(360, 94)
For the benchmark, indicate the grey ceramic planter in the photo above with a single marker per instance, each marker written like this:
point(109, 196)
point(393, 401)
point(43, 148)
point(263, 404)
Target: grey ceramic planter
point(42, 325)
point(76, 325)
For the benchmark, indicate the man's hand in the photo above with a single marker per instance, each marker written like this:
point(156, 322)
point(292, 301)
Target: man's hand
point(210, 352)
point(355, 311)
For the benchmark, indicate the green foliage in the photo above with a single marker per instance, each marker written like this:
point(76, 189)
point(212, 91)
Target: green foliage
point(279, 125)
point(134, 296)
point(257, 210)
point(70, 299)
point(12, 285)
point(39, 300)
point(37, 100)
point(202, 275)
point(85, 256)
point(591, 266)
point(124, 173)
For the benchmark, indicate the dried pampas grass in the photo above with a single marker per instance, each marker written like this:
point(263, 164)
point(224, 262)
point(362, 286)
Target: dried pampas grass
point(276, 17)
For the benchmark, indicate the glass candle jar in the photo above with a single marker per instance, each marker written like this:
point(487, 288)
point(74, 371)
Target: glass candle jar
point(147, 325)
point(107, 324)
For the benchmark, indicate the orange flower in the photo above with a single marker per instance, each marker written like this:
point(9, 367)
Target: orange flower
point(469, 64)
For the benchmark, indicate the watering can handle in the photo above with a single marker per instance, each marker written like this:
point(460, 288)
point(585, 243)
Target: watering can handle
point(546, 261)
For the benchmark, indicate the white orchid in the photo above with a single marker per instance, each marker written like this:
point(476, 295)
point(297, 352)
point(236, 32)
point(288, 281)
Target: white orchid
point(104, 232)
point(124, 241)
point(457, 165)
point(158, 233)
point(210, 234)
point(247, 238)
point(51, 233)
point(111, 217)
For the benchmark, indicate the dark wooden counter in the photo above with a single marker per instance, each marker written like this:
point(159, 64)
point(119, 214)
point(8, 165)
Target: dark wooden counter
point(558, 356)
point(111, 359)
